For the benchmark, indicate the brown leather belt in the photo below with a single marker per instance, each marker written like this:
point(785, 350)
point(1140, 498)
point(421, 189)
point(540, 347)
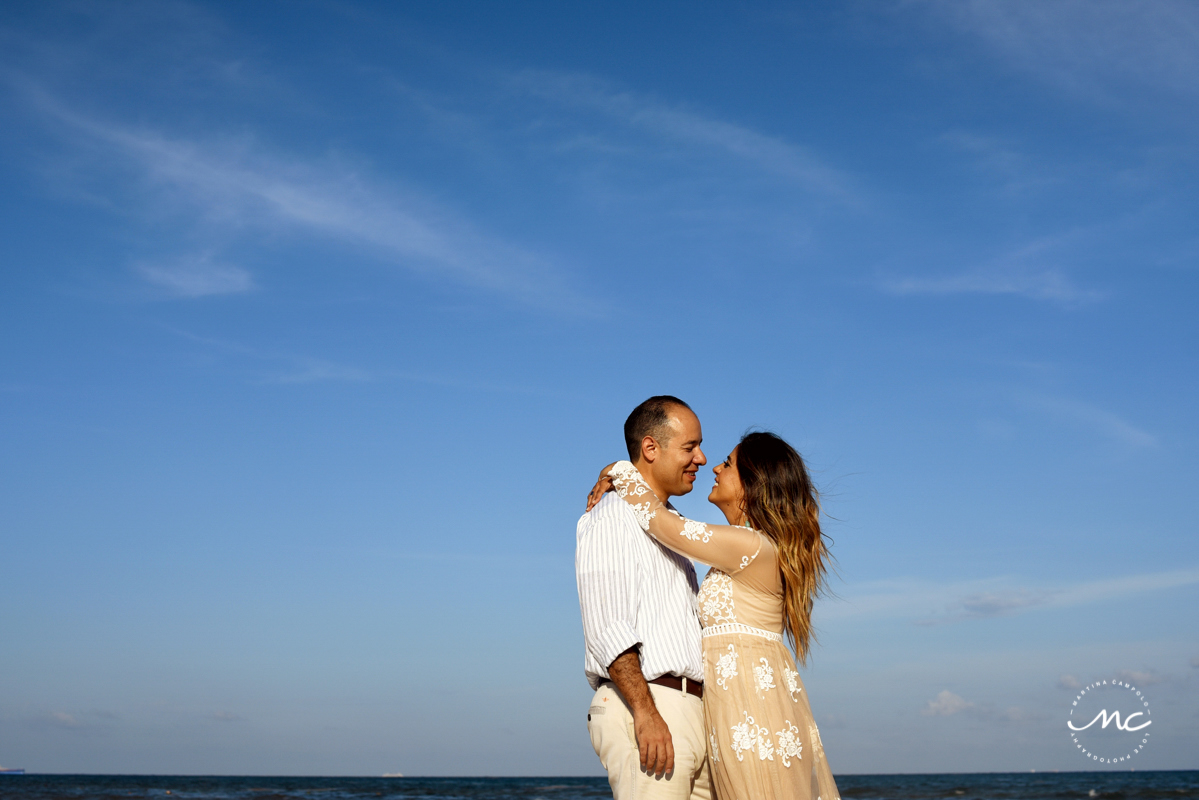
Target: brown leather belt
point(675, 682)
point(681, 684)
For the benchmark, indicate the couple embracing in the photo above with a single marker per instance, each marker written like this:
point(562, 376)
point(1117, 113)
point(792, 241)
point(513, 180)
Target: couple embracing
point(697, 696)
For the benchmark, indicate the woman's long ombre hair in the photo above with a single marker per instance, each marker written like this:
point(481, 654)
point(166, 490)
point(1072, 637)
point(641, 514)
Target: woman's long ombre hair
point(780, 502)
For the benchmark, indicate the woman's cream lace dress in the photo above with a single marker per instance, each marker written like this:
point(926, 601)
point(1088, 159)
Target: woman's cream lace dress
point(762, 740)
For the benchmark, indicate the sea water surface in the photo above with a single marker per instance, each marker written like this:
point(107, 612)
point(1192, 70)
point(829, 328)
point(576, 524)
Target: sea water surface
point(985, 786)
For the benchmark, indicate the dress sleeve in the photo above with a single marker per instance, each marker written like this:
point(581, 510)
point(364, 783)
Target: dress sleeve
point(729, 548)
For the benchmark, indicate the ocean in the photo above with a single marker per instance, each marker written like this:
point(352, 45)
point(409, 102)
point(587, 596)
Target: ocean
point(1173, 785)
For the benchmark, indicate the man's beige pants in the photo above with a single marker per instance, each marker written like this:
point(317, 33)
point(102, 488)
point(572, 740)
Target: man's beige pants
point(610, 723)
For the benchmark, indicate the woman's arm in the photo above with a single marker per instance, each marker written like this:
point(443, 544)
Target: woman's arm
point(602, 487)
point(729, 548)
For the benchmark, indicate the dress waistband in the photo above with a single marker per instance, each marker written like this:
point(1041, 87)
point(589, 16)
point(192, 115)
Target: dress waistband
point(737, 627)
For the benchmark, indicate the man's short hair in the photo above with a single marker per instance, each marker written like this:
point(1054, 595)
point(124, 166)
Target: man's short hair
point(651, 418)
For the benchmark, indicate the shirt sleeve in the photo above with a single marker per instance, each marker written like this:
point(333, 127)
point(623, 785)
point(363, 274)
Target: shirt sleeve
point(729, 548)
point(607, 577)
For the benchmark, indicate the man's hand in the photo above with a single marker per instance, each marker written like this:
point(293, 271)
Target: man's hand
point(653, 735)
point(654, 742)
point(602, 487)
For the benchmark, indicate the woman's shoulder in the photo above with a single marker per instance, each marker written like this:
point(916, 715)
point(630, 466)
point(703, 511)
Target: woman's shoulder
point(764, 545)
point(760, 572)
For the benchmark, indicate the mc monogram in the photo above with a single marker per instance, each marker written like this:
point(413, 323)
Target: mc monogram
point(1124, 726)
point(1127, 735)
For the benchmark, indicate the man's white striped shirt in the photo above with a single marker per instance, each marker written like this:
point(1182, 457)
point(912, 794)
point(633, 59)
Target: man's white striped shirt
point(634, 592)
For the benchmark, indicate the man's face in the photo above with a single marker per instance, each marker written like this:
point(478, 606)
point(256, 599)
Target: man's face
point(679, 458)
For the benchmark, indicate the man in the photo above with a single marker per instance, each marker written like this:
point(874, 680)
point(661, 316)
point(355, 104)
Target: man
point(640, 626)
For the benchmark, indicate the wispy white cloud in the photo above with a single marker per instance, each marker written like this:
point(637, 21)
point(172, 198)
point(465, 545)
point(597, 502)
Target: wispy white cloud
point(1001, 160)
point(991, 152)
point(1015, 600)
point(1069, 683)
point(1037, 285)
point(1031, 270)
point(946, 704)
point(771, 154)
point(234, 184)
point(1095, 591)
point(1141, 677)
point(931, 603)
point(309, 370)
point(988, 605)
point(284, 368)
point(1090, 46)
point(83, 721)
point(62, 719)
point(274, 367)
point(196, 277)
point(982, 605)
point(1092, 417)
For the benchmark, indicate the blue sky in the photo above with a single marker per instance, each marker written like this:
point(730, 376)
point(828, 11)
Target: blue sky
point(319, 319)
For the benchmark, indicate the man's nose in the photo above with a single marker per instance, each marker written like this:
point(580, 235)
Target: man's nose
point(700, 458)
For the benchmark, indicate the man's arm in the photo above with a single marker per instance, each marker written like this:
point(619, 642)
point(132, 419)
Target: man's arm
point(653, 735)
point(606, 574)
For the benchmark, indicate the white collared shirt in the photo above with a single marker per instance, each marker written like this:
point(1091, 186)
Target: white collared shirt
point(634, 592)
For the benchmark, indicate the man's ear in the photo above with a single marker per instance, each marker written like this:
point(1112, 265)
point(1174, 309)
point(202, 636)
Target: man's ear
point(649, 449)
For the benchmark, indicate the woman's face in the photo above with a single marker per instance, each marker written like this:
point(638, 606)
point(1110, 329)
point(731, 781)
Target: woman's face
point(727, 494)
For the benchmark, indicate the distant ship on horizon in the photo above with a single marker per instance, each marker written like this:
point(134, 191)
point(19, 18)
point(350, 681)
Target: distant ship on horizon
point(4, 771)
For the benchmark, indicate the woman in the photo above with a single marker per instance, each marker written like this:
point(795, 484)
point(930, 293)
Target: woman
point(768, 565)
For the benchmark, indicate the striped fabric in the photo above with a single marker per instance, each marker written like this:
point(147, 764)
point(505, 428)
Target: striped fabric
point(633, 591)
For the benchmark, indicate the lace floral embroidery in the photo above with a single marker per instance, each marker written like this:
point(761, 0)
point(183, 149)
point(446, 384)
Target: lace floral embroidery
point(748, 735)
point(696, 531)
point(742, 738)
point(627, 481)
point(764, 675)
point(817, 745)
point(789, 744)
point(643, 514)
point(747, 560)
point(765, 746)
point(726, 667)
point(715, 748)
point(716, 599)
point(791, 678)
